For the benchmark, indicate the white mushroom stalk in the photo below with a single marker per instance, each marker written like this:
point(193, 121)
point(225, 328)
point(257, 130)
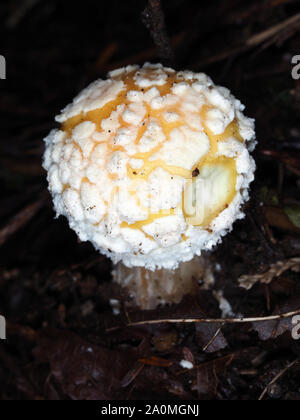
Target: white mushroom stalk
point(152, 166)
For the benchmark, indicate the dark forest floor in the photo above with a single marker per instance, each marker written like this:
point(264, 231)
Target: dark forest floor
point(55, 292)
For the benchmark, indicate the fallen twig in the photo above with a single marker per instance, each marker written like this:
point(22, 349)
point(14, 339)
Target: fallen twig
point(154, 20)
point(21, 219)
point(277, 377)
point(144, 55)
point(211, 341)
point(20, 12)
point(251, 42)
point(274, 30)
point(223, 321)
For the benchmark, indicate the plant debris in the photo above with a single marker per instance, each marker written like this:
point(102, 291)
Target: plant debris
point(65, 340)
point(276, 270)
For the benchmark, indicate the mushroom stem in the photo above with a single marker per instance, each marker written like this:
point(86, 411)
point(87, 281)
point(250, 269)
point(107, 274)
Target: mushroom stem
point(151, 288)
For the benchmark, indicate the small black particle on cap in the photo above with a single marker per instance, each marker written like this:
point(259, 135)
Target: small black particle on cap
point(134, 173)
point(195, 173)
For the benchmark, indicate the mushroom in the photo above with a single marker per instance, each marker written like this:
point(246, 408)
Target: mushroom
point(152, 166)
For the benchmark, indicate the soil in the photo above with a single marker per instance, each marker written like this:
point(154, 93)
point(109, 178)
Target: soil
point(63, 339)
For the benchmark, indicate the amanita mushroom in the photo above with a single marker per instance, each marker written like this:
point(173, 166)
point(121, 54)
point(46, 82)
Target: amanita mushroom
point(152, 166)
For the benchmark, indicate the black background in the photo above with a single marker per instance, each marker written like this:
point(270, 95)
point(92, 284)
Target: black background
point(55, 291)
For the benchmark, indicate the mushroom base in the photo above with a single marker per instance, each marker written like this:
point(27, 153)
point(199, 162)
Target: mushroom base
point(152, 288)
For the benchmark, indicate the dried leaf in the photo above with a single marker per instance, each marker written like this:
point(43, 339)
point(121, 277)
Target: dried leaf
point(273, 329)
point(209, 375)
point(188, 355)
point(131, 375)
point(160, 383)
point(87, 371)
point(164, 338)
point(293, 213)
point(248, 281)
point(276, 217)
point(156, 361)
point(208, 339)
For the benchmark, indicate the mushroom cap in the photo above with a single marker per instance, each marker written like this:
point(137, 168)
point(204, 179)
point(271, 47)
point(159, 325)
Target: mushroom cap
point(151, 165)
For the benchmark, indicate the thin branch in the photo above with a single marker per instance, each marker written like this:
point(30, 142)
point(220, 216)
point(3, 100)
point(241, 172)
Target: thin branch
point(18, 221)
point(252, 42)
point(212, 340)
point(144, 55)
point(274, 30)
point(223, 321)
point(20, 13)
point(277, 377)
point(154, 20)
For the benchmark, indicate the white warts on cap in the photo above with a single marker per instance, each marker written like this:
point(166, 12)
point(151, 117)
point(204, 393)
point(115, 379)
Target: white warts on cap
point(151, 165)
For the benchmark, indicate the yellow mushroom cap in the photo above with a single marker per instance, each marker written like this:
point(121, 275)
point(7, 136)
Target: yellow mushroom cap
point(151, 165)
